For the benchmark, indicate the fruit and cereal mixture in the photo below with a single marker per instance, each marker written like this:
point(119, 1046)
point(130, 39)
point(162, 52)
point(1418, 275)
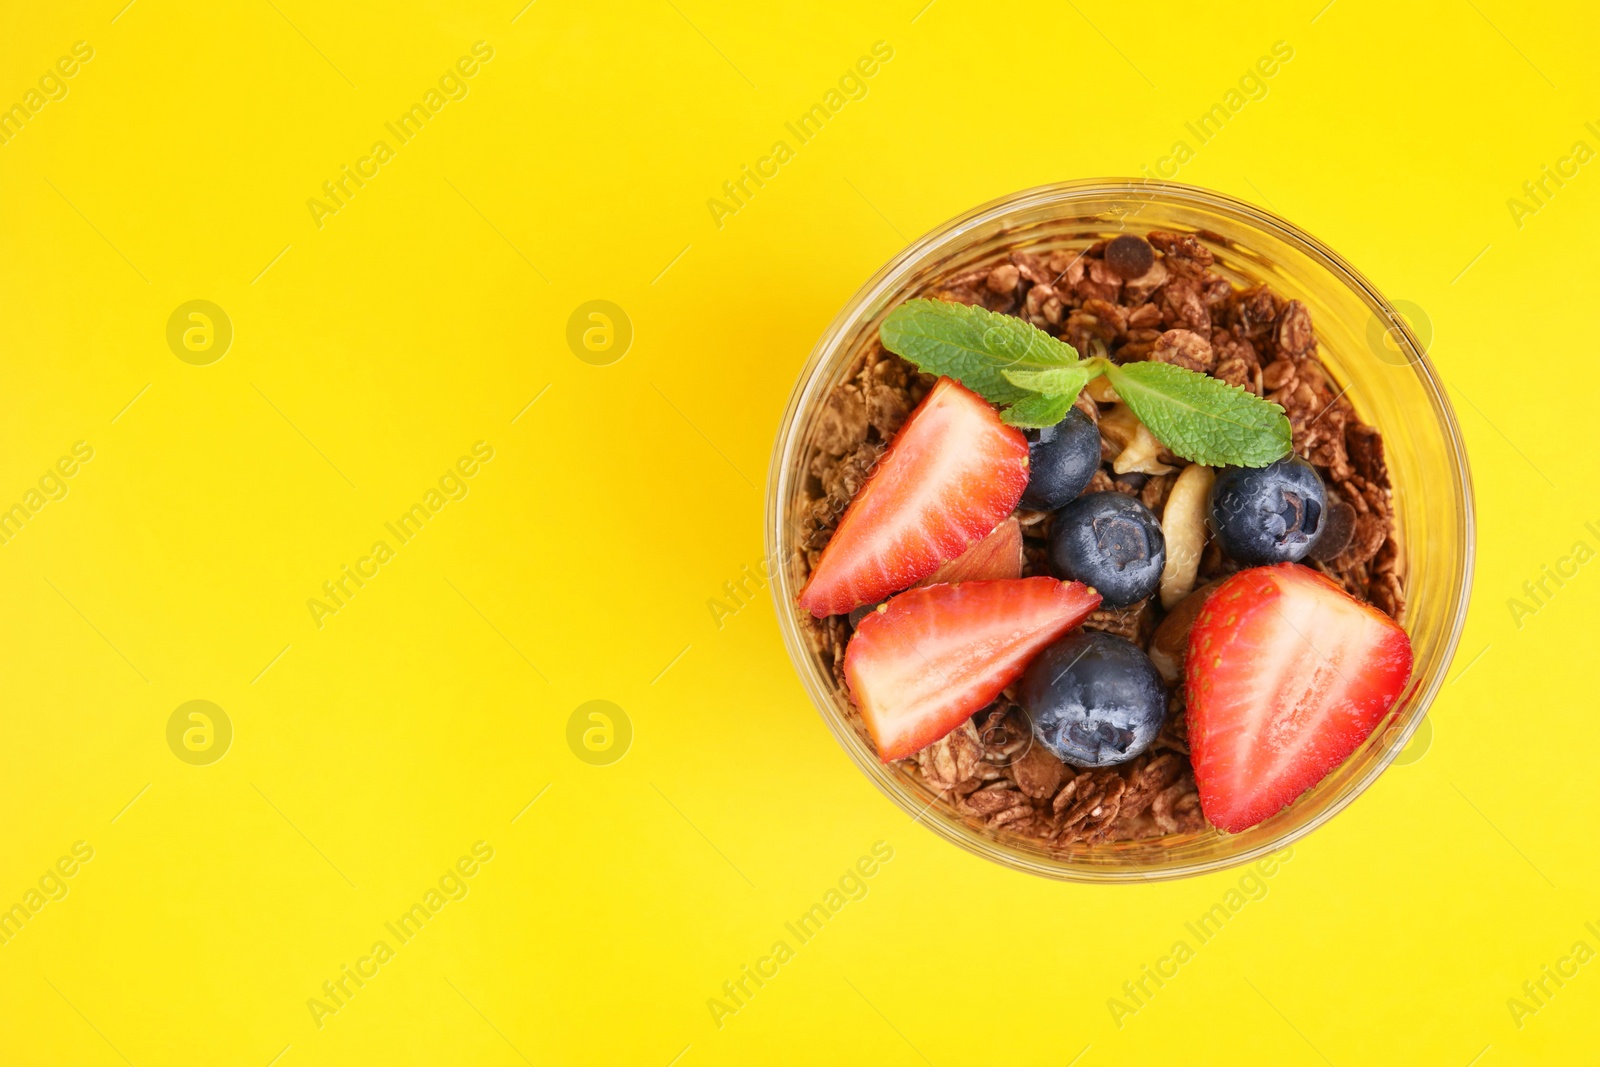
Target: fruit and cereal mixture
point(1077, 540)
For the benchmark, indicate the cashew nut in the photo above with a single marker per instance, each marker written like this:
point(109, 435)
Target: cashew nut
point(1138, 449)
point(1100, 391)
point(1183, 525)
point(1119, 425)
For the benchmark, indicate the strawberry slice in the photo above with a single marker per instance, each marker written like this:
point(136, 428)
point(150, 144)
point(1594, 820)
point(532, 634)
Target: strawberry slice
point(1286, 675)
point(997, 556)
point(934, 656)
point(950, 475)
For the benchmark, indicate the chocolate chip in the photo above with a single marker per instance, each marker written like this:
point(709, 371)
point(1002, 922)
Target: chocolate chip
point(1129, 256)
point(1131, 482)
point(857, 614)
point(1338, 527)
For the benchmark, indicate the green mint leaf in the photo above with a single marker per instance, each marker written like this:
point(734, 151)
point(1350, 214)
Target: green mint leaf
point(1200, 418)
point(972, 345)
point(1054, 391)
point(1038, 411)
point(1057, 381)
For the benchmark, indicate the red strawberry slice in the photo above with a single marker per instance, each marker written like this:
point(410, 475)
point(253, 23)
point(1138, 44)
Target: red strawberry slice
point(934, 656)
point(997, 556)
point(950, 475)
point(1286, 675)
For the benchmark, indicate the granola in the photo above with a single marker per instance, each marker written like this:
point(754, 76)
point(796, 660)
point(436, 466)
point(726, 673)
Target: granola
point(1132, 301)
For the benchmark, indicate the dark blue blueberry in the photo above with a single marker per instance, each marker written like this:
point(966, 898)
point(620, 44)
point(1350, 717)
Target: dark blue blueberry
point(1268, 514)
point(1094, 699)
point(1112, 542)
point(1061, 460)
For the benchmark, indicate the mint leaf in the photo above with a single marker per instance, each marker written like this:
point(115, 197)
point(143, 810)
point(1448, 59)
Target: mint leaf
point(972, 345)
point(1201, 418)
point(1060, 381)
point(1038, 411)
point(1054, 391)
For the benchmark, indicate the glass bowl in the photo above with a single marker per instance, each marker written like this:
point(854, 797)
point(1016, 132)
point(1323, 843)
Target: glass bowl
point(1366, 346)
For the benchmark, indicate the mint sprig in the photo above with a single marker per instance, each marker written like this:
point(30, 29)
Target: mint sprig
point(1036, 378)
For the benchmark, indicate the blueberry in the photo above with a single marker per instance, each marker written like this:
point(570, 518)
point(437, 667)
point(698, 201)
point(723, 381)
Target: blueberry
point(1268, 514)
point(1112, 542)
point(1061, 460)
point(1094, 699)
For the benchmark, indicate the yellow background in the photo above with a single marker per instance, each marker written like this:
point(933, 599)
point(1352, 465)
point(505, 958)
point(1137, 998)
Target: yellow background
point(368, 354)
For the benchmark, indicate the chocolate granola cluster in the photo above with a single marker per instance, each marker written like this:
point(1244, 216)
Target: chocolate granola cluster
point(1129, 300)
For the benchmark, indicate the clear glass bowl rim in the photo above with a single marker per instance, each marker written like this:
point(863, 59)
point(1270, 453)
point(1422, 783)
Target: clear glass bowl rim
point(950, 235)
